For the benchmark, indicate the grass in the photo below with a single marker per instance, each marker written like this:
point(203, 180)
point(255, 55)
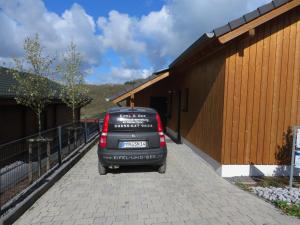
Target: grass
point(243, 186)
point(279, 182)
point(272, 182)
point(99, 93)
point(96, 115)
point(276, 181)
point(290, 209)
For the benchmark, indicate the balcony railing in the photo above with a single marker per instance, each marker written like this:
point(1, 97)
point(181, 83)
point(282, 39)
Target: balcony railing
point(25, 161)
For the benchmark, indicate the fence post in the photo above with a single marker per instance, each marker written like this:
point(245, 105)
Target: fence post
point(100, 122)
point(59, 145)
point(85, 132)
point(48, 155)
point(69, 142)
point(0, 194)
point(30, 163)
point(293, 157)
point(39, 158)
point(75, 137)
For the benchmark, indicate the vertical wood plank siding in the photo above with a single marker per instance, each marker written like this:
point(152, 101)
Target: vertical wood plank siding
point(262, 91)
point(202, 124)
point(242, 98)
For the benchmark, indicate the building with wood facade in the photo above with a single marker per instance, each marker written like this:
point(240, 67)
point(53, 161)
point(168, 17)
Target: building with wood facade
point(234, 94)
point(17, 121)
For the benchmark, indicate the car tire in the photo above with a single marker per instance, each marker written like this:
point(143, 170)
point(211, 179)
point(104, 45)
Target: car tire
point(162, 168)
point(101, 168)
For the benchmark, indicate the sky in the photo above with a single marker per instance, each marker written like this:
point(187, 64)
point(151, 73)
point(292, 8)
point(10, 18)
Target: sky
point(119, 40)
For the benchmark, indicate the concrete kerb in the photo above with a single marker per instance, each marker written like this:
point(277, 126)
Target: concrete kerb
point(16, 212)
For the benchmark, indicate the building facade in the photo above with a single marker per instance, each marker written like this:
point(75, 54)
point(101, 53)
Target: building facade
point(234, 95)
point(17, 121)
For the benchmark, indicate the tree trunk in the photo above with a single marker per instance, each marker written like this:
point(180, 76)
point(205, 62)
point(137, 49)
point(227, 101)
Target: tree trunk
point(74, 131)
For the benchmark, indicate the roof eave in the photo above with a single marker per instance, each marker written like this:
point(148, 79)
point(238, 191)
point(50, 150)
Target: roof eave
point(202, 41)
point(224, 33)
point(262, 15)
point(158, 76)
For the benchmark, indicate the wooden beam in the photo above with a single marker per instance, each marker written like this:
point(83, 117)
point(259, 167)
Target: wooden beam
point(260, 20)
point(252, 32)
point(141, 87)
point(132, 101)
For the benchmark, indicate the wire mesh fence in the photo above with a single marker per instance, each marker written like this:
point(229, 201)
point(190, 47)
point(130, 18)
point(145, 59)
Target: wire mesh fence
point(25, 161)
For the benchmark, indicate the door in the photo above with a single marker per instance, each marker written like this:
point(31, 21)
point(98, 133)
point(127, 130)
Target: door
point(160, 104)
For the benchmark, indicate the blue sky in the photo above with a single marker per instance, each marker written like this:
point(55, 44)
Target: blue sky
point(119, 40)
point(96, 8)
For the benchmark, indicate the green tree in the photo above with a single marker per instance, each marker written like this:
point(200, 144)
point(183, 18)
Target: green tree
point(74, 92)
point(32, 73)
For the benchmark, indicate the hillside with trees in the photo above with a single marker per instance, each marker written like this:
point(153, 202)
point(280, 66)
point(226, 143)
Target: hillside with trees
point(99, 93)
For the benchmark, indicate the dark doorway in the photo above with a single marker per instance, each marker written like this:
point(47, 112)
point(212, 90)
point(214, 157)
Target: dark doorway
point(179, 118)
point(160, 104)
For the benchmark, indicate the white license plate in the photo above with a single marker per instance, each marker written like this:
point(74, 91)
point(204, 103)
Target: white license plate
point(133, 144)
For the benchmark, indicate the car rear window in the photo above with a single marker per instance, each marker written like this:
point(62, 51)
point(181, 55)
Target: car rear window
point(134, 121)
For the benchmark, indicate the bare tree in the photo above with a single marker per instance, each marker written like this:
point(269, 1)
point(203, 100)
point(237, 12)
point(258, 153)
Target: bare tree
point(73, 91)
point(32, 73)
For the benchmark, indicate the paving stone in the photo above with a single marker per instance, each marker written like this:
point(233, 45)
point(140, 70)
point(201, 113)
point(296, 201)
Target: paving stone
point(162, 223)
point(68, 222)
point(190, 192)
point(57, 223)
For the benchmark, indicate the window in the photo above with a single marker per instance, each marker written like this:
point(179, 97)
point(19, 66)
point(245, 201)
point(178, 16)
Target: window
point(185, 100)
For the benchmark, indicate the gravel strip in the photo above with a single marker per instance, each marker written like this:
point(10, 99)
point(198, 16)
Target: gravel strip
point(291, 195)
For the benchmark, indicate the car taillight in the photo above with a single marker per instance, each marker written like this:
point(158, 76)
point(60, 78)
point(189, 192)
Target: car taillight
point(162, 140)
point(105, 123)
point(103, 141)
point(103, 137)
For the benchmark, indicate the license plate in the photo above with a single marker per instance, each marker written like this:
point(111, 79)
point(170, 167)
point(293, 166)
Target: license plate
point(133, 144)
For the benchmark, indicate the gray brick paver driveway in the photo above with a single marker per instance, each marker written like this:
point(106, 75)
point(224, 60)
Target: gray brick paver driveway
point(189, 193)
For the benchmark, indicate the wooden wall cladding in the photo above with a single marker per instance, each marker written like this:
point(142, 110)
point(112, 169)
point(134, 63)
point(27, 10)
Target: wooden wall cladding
point(262, 91)
point(202, 123)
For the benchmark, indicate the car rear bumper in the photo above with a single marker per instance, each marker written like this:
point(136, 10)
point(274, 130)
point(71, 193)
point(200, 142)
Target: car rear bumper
point(132, 157)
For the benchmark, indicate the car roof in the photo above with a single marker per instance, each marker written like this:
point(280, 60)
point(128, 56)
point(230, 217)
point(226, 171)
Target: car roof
point(129, 109)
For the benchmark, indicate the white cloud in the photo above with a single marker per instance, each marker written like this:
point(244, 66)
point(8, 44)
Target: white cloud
point(159, 37)
point(180, 22)
point(27, 17)
point(130, 74)
point(119, 33)
point(164, 34)
point(122, 74)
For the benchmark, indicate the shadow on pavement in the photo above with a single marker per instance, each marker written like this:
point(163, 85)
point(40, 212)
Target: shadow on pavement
point(132, 169)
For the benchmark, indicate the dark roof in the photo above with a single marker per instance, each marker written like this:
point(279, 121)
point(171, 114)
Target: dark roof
point(232, 25)
point(249, 17)
point(129, 109)
point(128, 89)
point(7, 82)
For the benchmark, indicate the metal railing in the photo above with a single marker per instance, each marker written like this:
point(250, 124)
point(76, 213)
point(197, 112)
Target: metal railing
point(25, 161)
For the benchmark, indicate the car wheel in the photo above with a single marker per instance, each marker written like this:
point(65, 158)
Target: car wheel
point(101, 168)
point(162, 168)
